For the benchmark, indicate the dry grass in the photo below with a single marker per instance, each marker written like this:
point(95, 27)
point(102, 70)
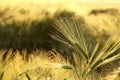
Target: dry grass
point(37, 67)
point(41, 67)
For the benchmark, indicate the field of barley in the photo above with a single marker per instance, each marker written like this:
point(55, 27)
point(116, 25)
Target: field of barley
point(59, 40)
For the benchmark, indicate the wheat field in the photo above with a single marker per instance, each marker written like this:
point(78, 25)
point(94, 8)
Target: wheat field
point(59, 40)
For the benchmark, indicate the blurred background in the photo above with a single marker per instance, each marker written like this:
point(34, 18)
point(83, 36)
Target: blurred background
point(28, 23)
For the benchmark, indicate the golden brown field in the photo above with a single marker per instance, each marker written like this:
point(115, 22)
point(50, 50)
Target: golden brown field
point(59, 40)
